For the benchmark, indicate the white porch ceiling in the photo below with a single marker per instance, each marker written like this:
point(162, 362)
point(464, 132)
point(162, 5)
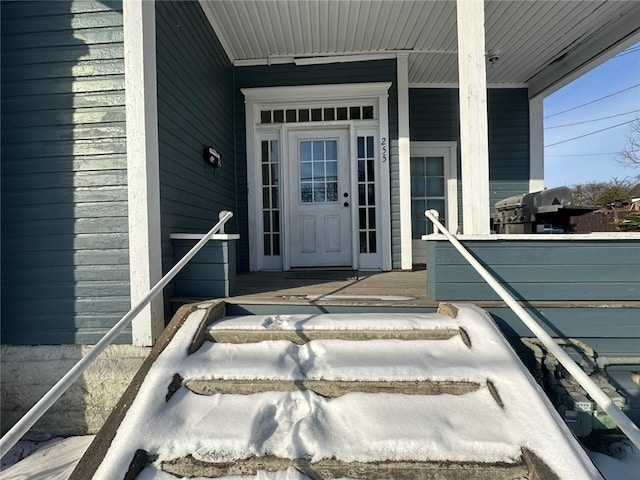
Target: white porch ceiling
point(530, 36)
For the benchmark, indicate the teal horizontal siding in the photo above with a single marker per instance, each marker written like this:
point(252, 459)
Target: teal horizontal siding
point(547, 274)
point(65, 271)
point(195, 109)
point(434, 116)
point(210, 274)
point(562, 270)
point(549, 253)
point(80, 258)
point(86, 336)
point(201, 262)
point(543, 290)
point(65, 102)
point(603, 325)
point(394, 176)
point(89, 273)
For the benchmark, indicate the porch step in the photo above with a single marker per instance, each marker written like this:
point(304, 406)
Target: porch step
point(301, 337)
point(368, 396)
point(329, 389)
point(331, 469)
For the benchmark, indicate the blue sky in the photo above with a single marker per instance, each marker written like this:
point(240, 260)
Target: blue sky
point(578, 110)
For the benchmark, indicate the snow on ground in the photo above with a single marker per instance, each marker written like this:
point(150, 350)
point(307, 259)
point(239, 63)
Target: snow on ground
point(623, 461)
point(51, 460)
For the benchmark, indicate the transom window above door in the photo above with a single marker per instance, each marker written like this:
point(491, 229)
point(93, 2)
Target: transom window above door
point(318, 171)
point(317, 114)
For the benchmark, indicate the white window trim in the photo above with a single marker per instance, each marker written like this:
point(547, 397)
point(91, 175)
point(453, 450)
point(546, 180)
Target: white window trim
point(275, 97)
point(272, 262)
point(450, 149)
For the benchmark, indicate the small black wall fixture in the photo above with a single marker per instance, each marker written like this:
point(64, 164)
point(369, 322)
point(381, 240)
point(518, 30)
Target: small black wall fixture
point(212, 157)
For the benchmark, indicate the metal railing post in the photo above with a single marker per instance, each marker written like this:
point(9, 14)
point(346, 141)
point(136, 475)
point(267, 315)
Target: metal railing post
point(40, 408)
point(602, 399)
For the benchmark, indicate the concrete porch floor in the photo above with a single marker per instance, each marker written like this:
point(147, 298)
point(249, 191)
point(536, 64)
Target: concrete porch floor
point(313, 287)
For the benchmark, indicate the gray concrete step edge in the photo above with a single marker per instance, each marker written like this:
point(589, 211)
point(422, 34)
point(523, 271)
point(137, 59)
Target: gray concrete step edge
point(527, 467)
point(331, 389)
point(301, 337)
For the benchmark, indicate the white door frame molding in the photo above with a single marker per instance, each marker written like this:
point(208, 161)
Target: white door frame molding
point(449, 150)
point(310, 95)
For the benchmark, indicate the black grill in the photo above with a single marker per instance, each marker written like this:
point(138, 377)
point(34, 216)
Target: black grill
point(546, 211)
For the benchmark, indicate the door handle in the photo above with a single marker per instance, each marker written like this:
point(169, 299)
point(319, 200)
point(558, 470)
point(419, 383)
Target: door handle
point(346, 204)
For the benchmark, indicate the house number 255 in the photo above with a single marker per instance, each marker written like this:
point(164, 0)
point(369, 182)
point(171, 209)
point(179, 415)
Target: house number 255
point(383, 149)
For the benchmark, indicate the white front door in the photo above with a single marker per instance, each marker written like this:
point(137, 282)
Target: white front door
point(320, 231)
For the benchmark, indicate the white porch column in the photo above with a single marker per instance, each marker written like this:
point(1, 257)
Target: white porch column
point(145, 257)
point(404, 159)
point(536, 144)
point(474, 143)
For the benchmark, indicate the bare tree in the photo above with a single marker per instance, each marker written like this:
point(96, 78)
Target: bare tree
point(604, 192)
point(629, 156)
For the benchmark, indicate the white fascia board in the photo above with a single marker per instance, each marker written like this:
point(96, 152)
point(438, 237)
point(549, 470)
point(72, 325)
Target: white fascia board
point(600, 47)
point(252, 62)
point(347, 58)
point(143, 169)
point(304, 93)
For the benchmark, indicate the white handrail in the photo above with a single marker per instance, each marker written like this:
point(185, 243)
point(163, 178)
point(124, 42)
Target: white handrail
point(602, 399)
point(40, 408)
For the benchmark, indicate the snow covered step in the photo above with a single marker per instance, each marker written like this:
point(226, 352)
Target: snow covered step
point(300, 329)
point(338, 360)
point(453, 405)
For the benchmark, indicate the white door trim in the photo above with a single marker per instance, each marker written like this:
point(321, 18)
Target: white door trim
point(281, 97)
point(450, 152)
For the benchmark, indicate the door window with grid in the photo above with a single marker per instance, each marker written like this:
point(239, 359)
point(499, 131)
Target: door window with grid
point(428, 191)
